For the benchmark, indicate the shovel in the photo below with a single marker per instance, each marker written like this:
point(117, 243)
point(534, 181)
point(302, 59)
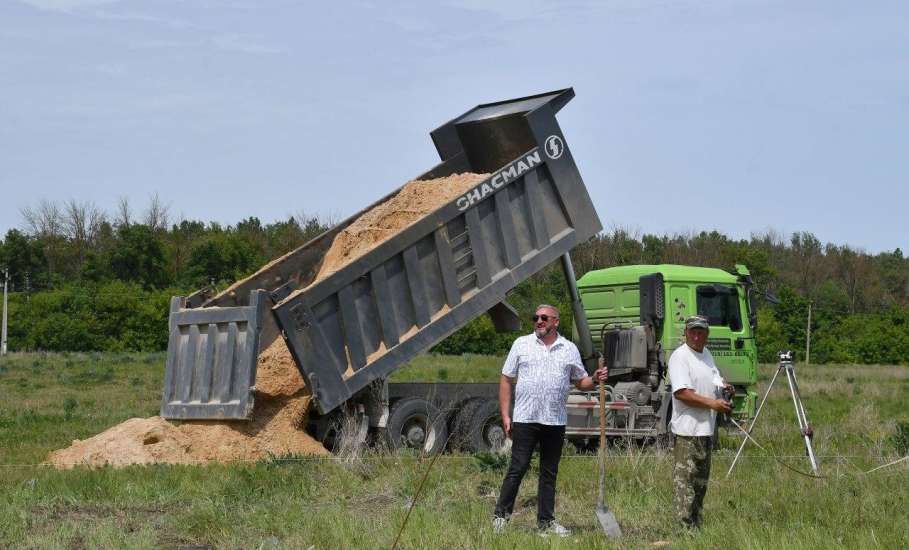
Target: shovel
point(604, 516)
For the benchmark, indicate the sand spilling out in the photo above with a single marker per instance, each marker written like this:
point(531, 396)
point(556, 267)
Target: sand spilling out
point(282, 401)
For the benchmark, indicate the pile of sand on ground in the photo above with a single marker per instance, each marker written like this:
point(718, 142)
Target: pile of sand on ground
point(282, 401)
point(277, 428)
point(414, 201)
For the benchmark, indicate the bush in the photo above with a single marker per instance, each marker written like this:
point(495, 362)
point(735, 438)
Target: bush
point(479, 337)
point(770, 337)
point(113, 316)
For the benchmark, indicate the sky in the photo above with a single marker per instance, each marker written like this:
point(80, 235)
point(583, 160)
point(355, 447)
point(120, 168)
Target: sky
point(735, 116)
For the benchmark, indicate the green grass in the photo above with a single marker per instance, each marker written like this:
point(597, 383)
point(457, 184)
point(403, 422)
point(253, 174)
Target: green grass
point(47, 400)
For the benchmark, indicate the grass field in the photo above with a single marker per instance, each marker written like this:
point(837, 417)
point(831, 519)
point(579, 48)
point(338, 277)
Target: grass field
point(47, 400)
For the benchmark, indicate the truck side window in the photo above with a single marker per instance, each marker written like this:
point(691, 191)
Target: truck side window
point(720, 305)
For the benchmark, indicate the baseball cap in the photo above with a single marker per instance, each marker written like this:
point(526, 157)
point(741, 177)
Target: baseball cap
point(696, 321)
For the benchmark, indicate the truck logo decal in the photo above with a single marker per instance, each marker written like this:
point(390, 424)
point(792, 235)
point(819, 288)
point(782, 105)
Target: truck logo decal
point(554, 147)
point(504, 176)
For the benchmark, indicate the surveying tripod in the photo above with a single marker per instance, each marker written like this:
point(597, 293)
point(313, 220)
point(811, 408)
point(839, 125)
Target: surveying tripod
point(805, 428)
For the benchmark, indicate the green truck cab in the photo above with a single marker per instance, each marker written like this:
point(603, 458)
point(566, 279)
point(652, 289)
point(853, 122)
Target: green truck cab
point(636, 317)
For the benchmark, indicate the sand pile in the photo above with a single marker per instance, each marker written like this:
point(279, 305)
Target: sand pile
point(275, 429)
point(282, 401)
point(415, 200)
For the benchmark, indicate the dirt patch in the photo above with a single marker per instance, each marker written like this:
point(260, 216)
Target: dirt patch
point(89, 512)
point(278, 423)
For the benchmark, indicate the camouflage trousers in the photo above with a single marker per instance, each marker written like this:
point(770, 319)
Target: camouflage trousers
point(690, 473)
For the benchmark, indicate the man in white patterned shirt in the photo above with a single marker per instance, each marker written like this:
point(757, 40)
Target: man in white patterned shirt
point(545, 365)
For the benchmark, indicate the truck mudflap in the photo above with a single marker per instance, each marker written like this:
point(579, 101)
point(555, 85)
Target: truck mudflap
point(211, 360)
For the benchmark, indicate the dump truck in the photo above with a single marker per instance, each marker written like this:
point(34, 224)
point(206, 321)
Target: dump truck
point(349, 331)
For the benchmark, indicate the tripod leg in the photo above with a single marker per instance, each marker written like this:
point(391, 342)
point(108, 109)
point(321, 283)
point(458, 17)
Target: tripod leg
point(802, 417)
point(753, 422)
point(798, 395)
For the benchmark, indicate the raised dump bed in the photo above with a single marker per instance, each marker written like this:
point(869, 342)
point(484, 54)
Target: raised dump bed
point(362, 322)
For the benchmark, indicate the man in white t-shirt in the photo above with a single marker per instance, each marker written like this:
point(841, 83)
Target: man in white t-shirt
point(546, 365)
point(697, 390)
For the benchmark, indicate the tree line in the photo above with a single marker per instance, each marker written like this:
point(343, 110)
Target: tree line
point(83, 279)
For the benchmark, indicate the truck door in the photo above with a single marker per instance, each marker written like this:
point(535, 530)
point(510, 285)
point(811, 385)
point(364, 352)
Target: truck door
point(677, 309)
point(729, 340)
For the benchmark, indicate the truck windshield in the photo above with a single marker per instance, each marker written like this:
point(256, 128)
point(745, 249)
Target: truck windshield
point(720, 305)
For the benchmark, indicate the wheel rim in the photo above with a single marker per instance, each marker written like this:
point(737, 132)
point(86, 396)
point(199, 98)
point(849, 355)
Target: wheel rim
point(416, 433)
point(494, 434)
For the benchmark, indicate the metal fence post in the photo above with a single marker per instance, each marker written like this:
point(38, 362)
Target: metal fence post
point(5, 291)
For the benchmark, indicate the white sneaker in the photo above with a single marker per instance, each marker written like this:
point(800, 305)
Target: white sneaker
point(554, 528)
point(498, 525)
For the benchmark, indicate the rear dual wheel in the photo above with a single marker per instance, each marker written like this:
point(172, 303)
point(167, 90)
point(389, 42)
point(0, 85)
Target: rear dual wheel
point(417, 424)
point(478, 426)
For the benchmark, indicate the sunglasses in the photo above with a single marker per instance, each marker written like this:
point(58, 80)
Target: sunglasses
point(545, 318)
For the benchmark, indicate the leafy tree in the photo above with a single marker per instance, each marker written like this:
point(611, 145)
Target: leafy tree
point(24, 257)
point(479, 336)
point(138, 256)
point(770, 336)
point(58, 320)
point(222, 258)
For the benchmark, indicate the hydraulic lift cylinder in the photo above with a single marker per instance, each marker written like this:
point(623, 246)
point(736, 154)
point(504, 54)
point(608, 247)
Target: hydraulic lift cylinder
point(580, 318)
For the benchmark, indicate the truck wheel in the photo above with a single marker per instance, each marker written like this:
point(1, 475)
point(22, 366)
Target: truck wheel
point(479, 426)
point(416, 423)
point(460, 426)
point(335, 430)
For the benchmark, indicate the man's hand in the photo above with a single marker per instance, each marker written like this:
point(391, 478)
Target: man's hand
point(600, 375)
point(721, 406)
point(505, 402)
point(691, 398)
point(602, 372)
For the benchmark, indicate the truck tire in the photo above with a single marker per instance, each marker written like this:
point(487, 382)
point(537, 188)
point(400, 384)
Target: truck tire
point(332, 431)
point(417, 424)
point(478, 426)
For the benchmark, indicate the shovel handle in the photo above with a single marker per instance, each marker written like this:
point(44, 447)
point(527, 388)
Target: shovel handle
point(601, 494)
point(602, 388)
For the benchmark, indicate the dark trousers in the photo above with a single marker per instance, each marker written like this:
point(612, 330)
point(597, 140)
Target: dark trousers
point(525, 438)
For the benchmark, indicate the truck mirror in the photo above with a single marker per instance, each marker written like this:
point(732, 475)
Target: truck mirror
point(752, 310)
point(770, 297)
point(652, 299)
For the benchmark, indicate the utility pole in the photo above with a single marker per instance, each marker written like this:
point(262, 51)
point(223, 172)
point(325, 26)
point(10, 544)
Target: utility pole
point(5, 290)
point(808, 337)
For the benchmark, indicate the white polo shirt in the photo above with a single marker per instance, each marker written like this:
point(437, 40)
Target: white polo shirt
point(545, 376)
point(696, 371)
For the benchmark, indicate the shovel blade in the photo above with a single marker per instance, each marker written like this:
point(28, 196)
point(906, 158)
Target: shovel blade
point(609, 524)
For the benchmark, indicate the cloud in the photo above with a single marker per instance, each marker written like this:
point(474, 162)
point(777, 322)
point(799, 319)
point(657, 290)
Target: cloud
point(226, 43)
point(407, 23)
point(509, 10)
point(144, 18)
point(157, 44)
point(242, 44)
point(66, 6)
